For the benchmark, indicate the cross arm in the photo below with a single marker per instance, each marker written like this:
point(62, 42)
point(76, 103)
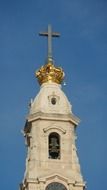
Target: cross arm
point(54, 34)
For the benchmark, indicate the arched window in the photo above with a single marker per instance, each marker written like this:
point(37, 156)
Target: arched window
point(56, 186)
point(54, 146)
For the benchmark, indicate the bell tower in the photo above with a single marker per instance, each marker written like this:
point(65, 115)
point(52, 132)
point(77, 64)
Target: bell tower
point(50, 132)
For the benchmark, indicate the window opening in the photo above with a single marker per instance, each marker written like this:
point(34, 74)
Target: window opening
point(56, 186)
point(53, 101)
point(54, 146)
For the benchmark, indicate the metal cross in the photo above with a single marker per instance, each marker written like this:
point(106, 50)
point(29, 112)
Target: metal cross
point(49, 34)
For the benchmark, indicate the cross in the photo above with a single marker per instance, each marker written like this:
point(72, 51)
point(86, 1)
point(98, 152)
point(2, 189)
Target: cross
point(49, 34)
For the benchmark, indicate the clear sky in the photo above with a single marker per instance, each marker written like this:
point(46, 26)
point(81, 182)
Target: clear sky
point(81, 51)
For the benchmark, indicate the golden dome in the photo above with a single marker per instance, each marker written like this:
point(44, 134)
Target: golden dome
point(50, 73)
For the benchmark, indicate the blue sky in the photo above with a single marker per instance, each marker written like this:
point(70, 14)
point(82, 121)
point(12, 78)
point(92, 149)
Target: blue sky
point(81, 51)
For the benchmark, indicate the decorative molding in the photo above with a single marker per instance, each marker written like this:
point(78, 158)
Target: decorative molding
point(54, 176)
point(53, 116)
point(54, 127)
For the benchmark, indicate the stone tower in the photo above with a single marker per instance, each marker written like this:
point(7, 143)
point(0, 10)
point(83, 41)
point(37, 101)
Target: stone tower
point(50, 132)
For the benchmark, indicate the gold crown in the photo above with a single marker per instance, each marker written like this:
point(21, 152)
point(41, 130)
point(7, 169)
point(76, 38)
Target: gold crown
point(50, 73)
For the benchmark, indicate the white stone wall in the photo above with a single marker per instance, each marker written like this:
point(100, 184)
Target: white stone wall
point(40, 170)
point(42, 101)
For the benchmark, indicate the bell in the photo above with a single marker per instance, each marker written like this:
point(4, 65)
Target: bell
point(54, 145)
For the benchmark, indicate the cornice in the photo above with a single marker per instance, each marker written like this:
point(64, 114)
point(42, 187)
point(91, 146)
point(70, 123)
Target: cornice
point(53, 116)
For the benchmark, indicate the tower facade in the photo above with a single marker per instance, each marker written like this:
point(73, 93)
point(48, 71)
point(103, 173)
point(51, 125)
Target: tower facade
point(50, 132)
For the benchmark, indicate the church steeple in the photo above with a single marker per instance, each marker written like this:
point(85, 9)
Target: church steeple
point(50, 132)
point(48, 72)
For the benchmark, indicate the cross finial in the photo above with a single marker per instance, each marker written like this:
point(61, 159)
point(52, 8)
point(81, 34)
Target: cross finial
point(49, 34)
